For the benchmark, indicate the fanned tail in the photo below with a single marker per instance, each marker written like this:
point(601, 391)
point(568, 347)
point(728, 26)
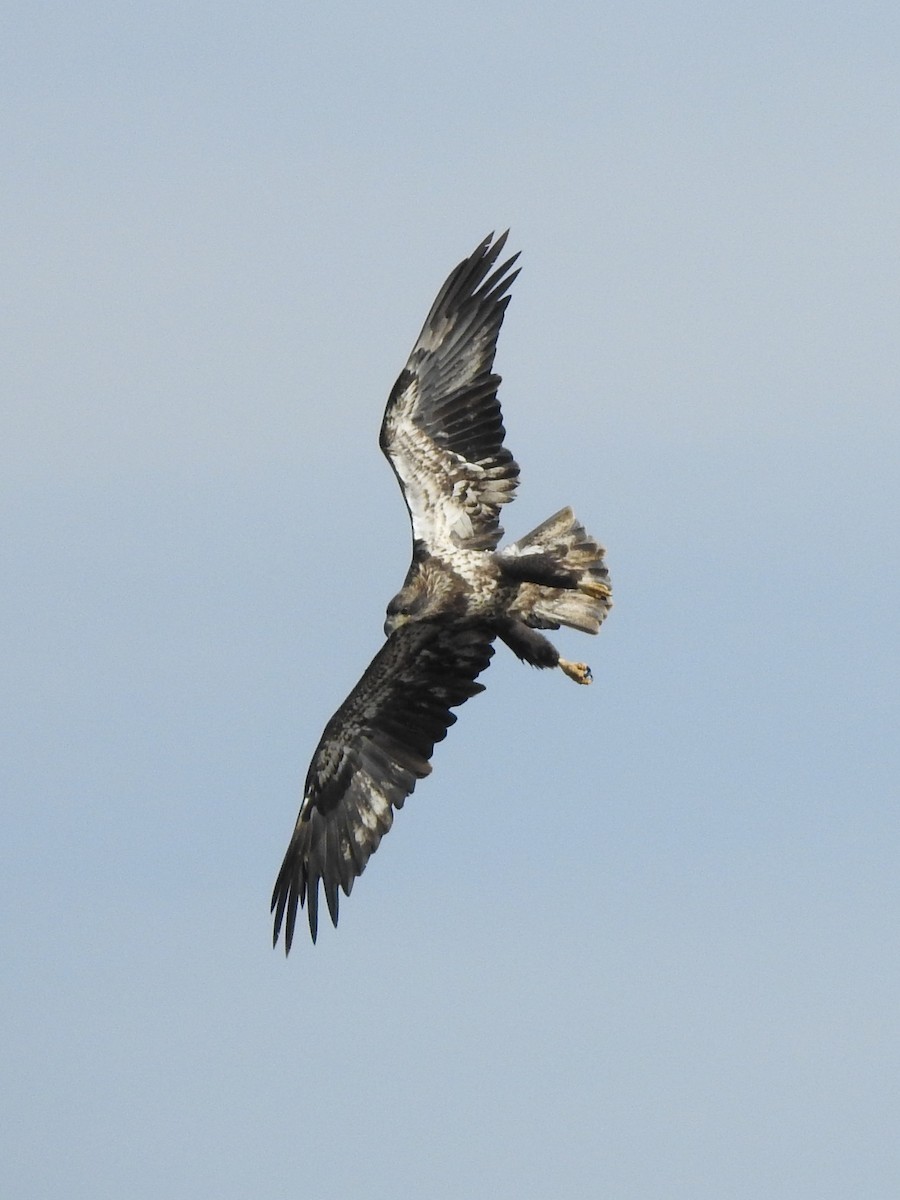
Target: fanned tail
point(565, 577)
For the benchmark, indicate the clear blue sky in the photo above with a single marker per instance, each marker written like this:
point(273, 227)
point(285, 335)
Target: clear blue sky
point(637, 941)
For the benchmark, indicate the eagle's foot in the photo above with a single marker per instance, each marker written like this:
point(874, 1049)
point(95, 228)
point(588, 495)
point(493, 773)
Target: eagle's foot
point(596, 588)
point(580, 672)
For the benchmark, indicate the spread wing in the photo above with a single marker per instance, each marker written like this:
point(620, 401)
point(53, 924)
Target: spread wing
point(374, 749)
point(442, 429)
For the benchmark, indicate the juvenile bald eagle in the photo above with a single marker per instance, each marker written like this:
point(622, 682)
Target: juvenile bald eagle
point(443, 435)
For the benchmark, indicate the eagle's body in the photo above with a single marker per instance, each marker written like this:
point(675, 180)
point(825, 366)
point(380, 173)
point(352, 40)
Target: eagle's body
point(443, 435)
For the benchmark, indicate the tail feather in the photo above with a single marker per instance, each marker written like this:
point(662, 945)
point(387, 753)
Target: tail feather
point(585, 598)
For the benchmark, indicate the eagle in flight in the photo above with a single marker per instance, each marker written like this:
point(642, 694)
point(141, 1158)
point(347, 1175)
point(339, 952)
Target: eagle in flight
point(443, 435)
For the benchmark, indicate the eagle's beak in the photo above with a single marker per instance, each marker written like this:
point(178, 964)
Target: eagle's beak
point(394, 621)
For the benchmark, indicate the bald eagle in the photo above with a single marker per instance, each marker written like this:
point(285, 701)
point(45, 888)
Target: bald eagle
point(443, 435)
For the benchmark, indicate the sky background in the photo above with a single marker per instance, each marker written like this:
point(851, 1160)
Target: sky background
point(637, 941)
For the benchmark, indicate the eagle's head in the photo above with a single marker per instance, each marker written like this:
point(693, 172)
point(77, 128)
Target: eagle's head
point(429, 592)
point(410, 604)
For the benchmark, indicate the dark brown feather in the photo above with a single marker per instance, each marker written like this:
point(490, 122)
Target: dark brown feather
point(373, 751)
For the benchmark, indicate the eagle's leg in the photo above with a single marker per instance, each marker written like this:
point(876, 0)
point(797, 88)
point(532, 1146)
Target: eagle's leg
point(532, 647)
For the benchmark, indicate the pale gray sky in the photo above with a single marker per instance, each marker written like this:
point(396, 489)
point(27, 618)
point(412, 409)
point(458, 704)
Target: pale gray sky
point(638, 941)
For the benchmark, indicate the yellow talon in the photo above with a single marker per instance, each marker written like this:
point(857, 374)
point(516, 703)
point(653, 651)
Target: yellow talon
point(596, 588)
point(580, 672)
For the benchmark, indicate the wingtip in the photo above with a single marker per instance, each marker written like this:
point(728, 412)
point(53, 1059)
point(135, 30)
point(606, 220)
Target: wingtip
point(276, 934)
point(490, 247)
point(493, 245)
